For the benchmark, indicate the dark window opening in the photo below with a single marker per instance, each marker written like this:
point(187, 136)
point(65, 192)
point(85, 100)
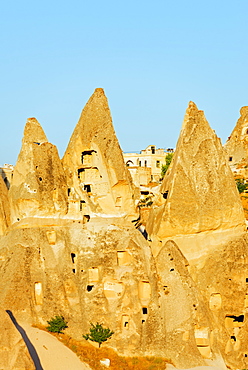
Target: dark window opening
point(126, 324)
point(230, 159)
point(246, 355)
point(87, 218)
point(144, 310)
point(165, 195)
point(74, 271)
point(82, 202)
point(36, 143)
point(86, 152)
point(144, 192)
point(89, 288)
point(239, 318)
point(40, 178)
point(153, 149)
point(246, 280)
point(171, 269)
point(79, 171)
point(233, 337)
point(139, 163)
point(68, 191)
point(157, 164)
point(73, 256)
point(145, 163)
point(87, 188)
point(143, 321)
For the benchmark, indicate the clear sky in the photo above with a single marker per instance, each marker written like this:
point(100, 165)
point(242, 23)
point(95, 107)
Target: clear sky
point(151, 58)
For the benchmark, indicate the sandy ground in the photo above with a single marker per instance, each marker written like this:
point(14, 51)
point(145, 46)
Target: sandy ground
point(53, 355)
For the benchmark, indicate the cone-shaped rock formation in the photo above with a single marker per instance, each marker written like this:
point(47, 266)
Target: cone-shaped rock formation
point(93, 161)
point(39, 183)
point(237, 144)
point(199, 192)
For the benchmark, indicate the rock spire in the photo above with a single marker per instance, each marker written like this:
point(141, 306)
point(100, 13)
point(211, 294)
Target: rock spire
point(39, 184)
point(199, 194)
point(94, 163)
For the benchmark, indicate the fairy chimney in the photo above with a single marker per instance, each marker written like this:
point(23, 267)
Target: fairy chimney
point(39, 183)
point(237, 144)
point(93, 161)
point(199, 198)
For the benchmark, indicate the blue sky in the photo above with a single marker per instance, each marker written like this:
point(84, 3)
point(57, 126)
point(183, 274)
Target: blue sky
point(151, 58)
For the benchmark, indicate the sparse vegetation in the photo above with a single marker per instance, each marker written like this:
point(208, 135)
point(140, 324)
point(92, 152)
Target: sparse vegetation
point(165, 166)
point(57, 324)
point(92, 356)
point(98, 334)
point(241, 185)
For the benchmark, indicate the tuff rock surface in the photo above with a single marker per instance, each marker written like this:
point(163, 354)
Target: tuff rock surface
point(68, 246)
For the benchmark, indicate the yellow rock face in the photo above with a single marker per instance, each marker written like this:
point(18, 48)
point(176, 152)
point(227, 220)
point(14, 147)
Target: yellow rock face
point(237, 145)
point(4, 207)
point(198, 193)
point(94, 164)
point(39, 184)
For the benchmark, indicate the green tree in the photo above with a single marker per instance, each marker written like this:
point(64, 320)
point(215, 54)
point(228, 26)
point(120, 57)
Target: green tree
point(57, 324)
point(241, 185)
point(165, 166)
point(98, 334)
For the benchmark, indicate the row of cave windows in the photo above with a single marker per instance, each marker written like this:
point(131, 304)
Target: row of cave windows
point(39, 301)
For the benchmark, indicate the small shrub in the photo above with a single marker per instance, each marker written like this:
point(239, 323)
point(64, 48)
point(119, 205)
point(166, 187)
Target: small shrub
point(57, 324)
point(98, 334)
point(241, 185)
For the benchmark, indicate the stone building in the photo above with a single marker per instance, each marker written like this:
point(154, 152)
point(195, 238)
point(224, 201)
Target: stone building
point(150, 158)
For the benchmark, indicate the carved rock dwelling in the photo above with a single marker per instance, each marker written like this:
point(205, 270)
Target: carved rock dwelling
point(68, 245)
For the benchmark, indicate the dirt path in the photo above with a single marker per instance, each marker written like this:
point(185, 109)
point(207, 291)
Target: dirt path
point(53, 354)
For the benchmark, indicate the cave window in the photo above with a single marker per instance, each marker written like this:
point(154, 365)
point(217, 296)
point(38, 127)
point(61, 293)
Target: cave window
point(230, 159)
point(40, 178)
point(143, 321)
point(139, 163)
point(73, 257)
point(82, 202)
point(68, 192)
point(165, 195)
point(74, 271)
point(80, 170)
point(87, 188)
point(144, 310)
point(233, 337)
point(85, 156)
point(246, 280)
point(86, 218)
point(89, 288)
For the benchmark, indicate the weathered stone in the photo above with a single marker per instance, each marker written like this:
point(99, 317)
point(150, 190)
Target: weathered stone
point(4, 207)
point(237, 144)
point(13, 351)
point(94, 164)
point(199, 205)
point(39, 183)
